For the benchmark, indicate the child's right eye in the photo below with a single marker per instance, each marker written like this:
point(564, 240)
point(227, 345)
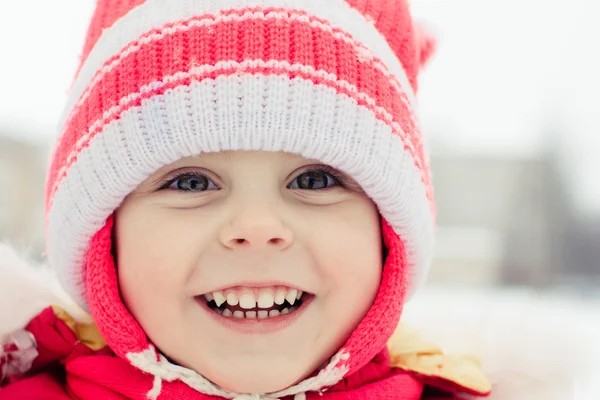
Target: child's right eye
point(187, 182)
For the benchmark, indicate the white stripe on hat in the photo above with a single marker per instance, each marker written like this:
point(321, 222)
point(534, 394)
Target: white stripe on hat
point(193, 119)
point(205, 69)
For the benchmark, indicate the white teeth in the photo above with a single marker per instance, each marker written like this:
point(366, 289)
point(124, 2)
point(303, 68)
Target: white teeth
point(255, 303)
point(265, 298)
point(274, 313)
point(291, 296)
point(247, 301)
point(280, 296)
point(232, 299)
point(219, 298)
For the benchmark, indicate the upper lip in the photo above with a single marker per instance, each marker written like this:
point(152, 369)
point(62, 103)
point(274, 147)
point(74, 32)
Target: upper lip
point(255, 285)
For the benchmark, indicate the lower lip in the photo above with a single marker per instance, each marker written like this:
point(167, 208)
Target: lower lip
point(257, 326)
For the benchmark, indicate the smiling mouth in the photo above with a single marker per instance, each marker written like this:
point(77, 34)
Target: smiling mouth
point(249, 303)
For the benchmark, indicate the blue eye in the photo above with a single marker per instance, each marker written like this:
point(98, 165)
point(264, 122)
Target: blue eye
point(314, 180)
point(187, 182)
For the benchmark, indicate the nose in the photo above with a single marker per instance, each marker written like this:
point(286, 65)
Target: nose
point(256, 228)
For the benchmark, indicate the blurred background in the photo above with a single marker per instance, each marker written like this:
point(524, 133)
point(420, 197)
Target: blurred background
point(510, 104)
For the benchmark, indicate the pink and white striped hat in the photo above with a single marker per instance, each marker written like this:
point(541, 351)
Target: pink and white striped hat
point(332, 80)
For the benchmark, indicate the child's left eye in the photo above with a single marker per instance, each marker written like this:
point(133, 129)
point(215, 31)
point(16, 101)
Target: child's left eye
point(190, 183)
point(314, 180)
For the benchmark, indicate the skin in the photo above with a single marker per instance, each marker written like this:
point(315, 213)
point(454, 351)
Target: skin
point(244, 217)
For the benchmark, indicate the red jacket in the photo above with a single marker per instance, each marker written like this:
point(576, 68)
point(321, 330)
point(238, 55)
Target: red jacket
point(73, 362)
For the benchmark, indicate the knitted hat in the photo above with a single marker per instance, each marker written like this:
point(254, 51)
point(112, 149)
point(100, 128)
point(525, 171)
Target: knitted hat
point(331, 80)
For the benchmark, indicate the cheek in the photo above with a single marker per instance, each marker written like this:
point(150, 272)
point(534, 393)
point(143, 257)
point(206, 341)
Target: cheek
point(351, 250)
point(349, 258)
point(153, 259)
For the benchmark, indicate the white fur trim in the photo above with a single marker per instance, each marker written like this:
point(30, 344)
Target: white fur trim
point(276, 114)
point(533, 346)
point(26, 289)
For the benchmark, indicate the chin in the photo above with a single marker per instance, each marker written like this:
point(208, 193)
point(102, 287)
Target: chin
point(251, 378)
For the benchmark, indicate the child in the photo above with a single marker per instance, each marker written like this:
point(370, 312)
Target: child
point(240, 199)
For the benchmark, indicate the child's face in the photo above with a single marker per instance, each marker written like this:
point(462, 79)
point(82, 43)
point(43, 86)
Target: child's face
point(252, 226)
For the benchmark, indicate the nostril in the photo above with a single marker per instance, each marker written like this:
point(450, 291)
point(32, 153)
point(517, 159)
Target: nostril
point(274, 241)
